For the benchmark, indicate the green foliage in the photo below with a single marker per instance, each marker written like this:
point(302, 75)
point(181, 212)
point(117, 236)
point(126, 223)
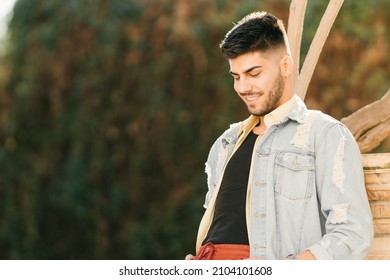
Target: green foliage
point(107, 112)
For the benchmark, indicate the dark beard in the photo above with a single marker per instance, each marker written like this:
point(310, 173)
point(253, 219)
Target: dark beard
point(273, 99)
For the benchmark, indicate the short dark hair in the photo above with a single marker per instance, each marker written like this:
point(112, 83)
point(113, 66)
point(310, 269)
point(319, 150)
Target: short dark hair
point(258, 31)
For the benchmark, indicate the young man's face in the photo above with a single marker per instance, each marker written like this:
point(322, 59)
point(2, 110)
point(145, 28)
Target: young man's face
point(258, 81)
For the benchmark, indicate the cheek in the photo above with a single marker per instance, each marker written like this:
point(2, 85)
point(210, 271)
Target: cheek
point(265, 82)
point(261, 83)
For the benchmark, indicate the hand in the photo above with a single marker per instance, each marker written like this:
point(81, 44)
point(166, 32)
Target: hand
point(189, 257)
point(307, 255)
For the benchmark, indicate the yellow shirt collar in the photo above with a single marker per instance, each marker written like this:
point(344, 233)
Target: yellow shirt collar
point(279, 114)
point(275, 117)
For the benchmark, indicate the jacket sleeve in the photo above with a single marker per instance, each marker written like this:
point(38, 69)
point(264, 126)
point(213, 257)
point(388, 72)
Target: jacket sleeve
point(342, 197)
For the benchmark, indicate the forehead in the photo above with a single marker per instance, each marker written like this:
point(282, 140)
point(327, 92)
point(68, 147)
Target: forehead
point(246, 61)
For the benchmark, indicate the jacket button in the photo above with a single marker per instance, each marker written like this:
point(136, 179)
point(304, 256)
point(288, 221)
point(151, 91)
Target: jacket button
point(259, 215)
point(258, 246)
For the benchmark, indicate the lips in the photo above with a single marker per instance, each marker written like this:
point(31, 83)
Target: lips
point(251, 98)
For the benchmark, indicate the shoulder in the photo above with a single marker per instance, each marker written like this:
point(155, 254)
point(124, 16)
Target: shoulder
point(307, 117)
point(325, 122)
point(231, 135)
point(319, 117)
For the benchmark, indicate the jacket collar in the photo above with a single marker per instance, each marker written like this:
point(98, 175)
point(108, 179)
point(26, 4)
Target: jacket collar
point(299, 110)
point(294, 109)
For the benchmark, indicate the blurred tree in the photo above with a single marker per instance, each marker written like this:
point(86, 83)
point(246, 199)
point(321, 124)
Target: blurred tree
point(108, 110)
point(107, 122)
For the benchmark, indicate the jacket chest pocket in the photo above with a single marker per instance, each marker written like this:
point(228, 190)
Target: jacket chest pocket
point(294, 175)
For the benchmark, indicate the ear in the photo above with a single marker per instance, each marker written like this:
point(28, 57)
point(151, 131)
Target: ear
point(286, 66)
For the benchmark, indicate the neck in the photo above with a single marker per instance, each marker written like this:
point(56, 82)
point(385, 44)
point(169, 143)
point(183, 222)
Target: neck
point(260, 128)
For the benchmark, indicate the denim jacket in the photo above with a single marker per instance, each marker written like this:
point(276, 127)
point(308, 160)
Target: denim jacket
point(306, 188)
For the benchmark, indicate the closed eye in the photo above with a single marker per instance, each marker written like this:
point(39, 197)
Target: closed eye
point(235, 77)
point(254, 74)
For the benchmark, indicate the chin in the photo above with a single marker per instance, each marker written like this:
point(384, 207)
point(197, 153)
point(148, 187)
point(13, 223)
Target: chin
point(259, 113)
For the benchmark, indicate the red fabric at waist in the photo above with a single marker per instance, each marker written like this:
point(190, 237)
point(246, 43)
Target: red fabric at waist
point(211, 251)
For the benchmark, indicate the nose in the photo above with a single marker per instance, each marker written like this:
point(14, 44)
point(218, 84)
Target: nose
point(242, 86)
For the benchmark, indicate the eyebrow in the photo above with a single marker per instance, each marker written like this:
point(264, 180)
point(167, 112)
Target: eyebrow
point(246, 71)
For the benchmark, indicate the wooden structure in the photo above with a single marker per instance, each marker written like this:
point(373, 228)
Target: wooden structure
point(301, 79)
point(377, 179)
point(369, 133)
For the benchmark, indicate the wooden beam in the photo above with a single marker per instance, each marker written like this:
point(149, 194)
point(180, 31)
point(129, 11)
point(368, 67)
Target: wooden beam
point(370, 125)
point(294, 33)
point(368, 116)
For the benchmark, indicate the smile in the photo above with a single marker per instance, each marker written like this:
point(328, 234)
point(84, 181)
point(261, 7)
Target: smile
point(250, 98)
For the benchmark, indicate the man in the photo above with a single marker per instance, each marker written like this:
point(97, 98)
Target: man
point(286, 183)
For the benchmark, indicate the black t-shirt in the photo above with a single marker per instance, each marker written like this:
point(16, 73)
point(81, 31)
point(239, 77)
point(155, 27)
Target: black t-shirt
point(229, 221)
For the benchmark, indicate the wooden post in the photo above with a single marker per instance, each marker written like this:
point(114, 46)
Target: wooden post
point(316, 47)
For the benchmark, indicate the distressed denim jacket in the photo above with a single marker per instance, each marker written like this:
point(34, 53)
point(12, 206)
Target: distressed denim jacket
point(306, 188)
